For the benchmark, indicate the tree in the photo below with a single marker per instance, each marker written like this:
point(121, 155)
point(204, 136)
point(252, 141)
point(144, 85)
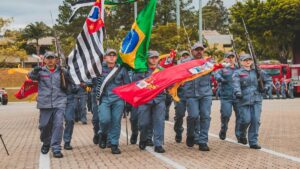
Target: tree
point(273, 26)
point(4, 22)
point(167, 37)
point(36, 31)
point(215, 16)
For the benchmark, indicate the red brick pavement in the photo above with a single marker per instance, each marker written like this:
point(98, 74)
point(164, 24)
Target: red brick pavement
point(19, 121)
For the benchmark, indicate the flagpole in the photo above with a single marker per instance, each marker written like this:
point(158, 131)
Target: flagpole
point(178, 13)
point(135, 10)
point(200, 21)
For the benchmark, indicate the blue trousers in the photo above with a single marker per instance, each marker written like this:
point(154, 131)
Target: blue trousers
point(51, 127)
point(180, 109)
point(278, 93)
point(199, 107)
point(81, 102)
point(134, 121)
point(152, 114)
point(226, 110)
point(69, 118)
point(250, 120)
point(269, 93)
point(110, 114)
point(95, 118)
point(283, 93)
point(291, 93)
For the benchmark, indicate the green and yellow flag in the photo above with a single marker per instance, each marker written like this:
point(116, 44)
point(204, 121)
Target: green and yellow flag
point(135, 45)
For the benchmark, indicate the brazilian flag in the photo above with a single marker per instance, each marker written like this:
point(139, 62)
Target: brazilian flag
point(135, 45)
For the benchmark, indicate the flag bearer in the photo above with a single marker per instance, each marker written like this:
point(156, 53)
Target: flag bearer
point(111, 106)
point(198, 94)
point(153, 112)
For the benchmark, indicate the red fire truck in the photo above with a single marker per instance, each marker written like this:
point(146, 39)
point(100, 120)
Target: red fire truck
point(278, 71)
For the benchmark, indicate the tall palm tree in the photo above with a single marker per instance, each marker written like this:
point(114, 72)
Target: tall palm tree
point(36, 31)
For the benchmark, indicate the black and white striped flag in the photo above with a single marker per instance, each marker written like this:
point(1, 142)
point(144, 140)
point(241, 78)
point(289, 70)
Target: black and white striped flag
point(86, 58)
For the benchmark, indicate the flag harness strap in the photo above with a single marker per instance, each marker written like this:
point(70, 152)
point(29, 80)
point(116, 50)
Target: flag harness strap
point(112, 74)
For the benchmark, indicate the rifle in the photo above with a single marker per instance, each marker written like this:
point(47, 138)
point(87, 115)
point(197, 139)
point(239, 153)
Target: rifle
point(234, 51)
point(252, 53)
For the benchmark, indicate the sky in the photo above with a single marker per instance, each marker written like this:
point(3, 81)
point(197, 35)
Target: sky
point(25, 12)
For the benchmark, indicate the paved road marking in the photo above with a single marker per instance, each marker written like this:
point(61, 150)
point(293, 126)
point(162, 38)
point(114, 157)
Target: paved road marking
point(44, 161)
point(278, 154)
point(160, 156)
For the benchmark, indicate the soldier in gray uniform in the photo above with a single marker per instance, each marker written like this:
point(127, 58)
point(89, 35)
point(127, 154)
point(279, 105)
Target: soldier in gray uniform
point(153, 112)
point(198, 94)
point(283, 88)
point(111, 106)
point(291, 89)
point(180, 107)
point(51, 101)
point(277, 87)
point(70, 115)
point(246, 90)
point(228, 100)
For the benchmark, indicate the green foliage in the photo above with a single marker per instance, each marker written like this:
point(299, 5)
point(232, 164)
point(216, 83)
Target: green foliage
point(167, 37)
point(36, 31)
point(272, 25)
point(215, 16)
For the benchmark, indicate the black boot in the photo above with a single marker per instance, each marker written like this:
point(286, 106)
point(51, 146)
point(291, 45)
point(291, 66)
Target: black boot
point(115, 149)
point(45, 149)
point(178, 129)
point(178, 137)
point(142, 145)
point(203, 147)
point(159, 149)
point(102, 140)
point(68, 146)
point(149, 142)
point(58, 154)
point(96, 139)
point(243, 129)
point(108, 144)
point(256, 146)
point(190, 141)
point(222, 134)
point(224, 126)
point(242, 140)
point(133, 139)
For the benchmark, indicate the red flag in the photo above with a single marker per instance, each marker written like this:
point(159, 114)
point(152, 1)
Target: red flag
point(94, 21)
point(29, 87)
point(168, 60)
point(140, 92)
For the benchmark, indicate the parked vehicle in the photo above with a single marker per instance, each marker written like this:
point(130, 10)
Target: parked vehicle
point(3, 97)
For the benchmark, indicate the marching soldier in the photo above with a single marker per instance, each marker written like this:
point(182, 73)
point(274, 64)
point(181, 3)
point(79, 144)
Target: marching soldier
point(152, 114)
point(277, 87)
point(228, 100)
point(246, 90)
point(180, 107)
point(291, 89)
point(198, 94)
point(81, 102)
point(283, 88)
point(51, 101)
point(70, 115)
point(111, 106)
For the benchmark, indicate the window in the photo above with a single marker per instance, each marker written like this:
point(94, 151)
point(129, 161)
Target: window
point(272, 72)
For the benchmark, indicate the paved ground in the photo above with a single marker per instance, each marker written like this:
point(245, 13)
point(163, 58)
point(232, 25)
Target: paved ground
point(279, 136)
